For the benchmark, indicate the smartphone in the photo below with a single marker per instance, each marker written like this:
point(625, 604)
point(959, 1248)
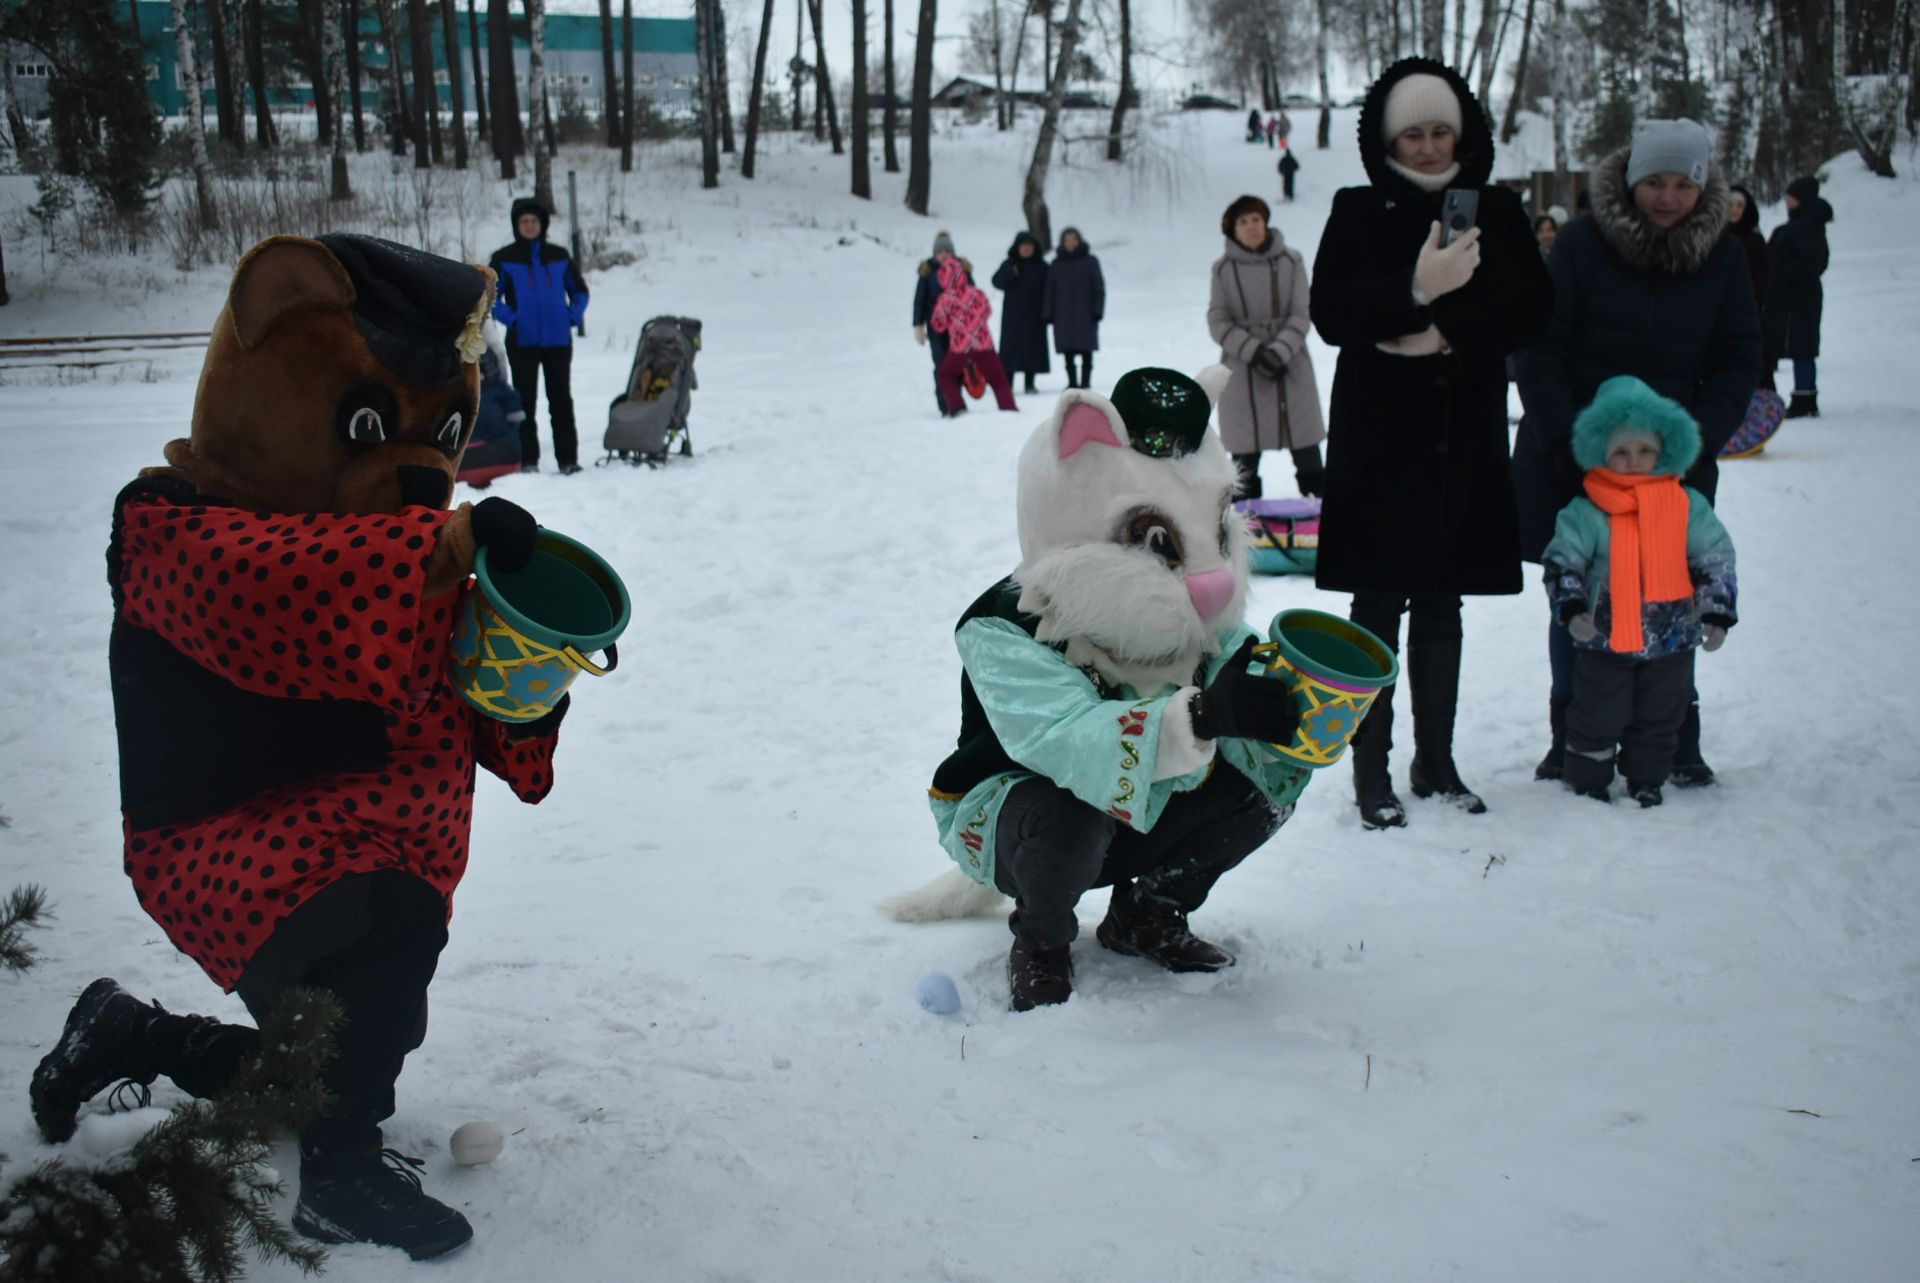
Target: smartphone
point(1457, 213)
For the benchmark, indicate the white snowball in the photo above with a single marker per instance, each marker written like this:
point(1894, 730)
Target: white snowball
point(475, 1143)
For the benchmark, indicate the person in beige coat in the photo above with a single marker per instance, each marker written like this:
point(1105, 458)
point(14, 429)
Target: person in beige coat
point(1258, 316)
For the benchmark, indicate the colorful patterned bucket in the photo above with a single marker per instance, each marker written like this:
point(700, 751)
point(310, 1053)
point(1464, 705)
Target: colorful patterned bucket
point(1335, 668)
point(522, 637)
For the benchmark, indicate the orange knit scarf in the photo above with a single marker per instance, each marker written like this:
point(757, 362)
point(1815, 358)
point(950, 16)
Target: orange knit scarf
point(1647, 525)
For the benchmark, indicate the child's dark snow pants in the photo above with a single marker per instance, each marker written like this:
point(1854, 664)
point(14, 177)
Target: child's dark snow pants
point(1635, 703)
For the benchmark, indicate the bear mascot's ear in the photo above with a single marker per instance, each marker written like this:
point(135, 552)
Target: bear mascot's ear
point(281, 275)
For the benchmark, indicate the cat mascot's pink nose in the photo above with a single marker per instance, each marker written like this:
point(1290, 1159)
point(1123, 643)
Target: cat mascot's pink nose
point(1211, 591)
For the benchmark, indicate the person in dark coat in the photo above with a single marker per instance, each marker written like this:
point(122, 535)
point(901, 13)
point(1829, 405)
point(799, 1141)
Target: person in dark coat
point(1023, 325)
point(542, 299)
point(1288, 168)
point(1418, 502)
point(1256, 128)
point(925, 295)
point(1798, 254)
point(1743, 225)
point(1075, 302)
point(1646, 286)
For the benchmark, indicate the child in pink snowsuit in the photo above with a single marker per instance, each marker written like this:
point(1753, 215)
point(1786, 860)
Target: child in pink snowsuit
point(961, 314)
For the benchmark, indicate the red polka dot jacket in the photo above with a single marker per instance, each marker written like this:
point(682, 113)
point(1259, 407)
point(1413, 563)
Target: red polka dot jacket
point(284, 715)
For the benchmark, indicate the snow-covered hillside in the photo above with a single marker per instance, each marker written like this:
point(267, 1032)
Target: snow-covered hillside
point(1553, 1042)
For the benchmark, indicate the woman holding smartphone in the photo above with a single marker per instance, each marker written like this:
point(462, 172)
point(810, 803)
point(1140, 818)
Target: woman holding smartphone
point(1426, 279)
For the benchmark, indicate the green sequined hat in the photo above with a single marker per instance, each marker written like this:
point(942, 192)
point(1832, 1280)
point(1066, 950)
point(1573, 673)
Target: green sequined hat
point(1165, 411)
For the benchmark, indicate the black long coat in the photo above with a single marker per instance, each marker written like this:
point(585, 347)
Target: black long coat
point(1798, 253)
point(1418, 494)
point(1023, 324)
point(1076, 300)
point(1675, 310)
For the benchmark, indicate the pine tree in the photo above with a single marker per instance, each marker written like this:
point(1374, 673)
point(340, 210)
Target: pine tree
point(22, 910)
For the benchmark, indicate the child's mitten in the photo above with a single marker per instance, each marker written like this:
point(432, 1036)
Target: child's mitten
point(1582, 627)
point(1715, 637)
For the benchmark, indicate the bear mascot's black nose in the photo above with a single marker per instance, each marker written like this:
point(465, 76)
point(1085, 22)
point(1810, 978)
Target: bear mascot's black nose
point(427, 487)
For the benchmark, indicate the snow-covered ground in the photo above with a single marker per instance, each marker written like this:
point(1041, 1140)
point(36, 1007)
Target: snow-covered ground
point(1553, 1042)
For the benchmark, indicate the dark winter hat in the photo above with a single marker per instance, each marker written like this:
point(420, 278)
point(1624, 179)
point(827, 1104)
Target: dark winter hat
point(528, 205)
point(418, 312)
point(1670, 147)
point(1165, 411)
point(943, 243)
point(1024, 238)
point(1750, 211)
point(1625, 402)
point(1804, 189)
point(1245, 205)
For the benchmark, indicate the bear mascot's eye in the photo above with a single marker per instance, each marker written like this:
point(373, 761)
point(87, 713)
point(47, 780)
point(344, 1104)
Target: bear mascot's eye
point(364, 425)
point(450, 432)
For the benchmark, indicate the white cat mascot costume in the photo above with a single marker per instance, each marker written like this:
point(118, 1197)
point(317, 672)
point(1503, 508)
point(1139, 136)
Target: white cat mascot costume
point(1111, 729)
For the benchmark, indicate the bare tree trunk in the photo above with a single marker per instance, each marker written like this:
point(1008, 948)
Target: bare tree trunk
point(709, 126)
point(1126, 81)
point(479, 77)
point(890, 114)
point(267, 136)
point(1323, 136)
point(757, 93)
point(1839, 10)
point(196, 119)
point(823, 87)
point(626, 88)
point(230, 130)
point(1459, 31)
point(797, 69)
point(1487, 42)
point(333, 54)
point(1559, 79)
point(862, 163)
point(237, 66)
point(1033, 198)
point(399, 117)
point(1002, 118)
point(312, 53)
point(537, 101)
point(1434, 34)
point(1019, 54)
point(722, 95)
point(456, 82)
point(1510, 125)
point(351, 38)
point(426, 98)
point(609, 87)
point(503, 86)
point(920, 127)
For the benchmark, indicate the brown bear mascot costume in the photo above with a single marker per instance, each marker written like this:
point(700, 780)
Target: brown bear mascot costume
point(296, 771)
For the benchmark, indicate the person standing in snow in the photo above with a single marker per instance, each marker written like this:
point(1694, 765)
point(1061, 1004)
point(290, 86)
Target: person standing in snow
point(1798, 253)
point(925, 295)
point(1289, 166)
point(1418, 503)
point(1743, 226)
point(542, 299)
point(1641, 572)
point(1022, 279)
point(1255, 129)
point(1257, 313)
point(961, 313)
point(1646, 285)
point(1074, 303)
point(1546, 230)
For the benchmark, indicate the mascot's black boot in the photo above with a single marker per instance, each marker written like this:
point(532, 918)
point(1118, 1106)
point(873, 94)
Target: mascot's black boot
point(1553, 765)
point(1690, 770)
point(1037, 976)
point(1373, 791)
point(1149, 927)
point(1436, 696)
point(366, 1194)
point(111, 1035)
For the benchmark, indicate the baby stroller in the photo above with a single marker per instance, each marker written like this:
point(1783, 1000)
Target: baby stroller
point(644, 421)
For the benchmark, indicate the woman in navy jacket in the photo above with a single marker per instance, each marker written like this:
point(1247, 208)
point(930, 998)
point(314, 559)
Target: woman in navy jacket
point(540, 299)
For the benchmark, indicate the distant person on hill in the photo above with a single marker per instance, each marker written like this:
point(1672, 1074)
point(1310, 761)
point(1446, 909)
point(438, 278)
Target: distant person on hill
point(1743, 226)
point(541, 297)
point(1075, 302)
point(1282, 127)
point(1255, 129)
point(961, 313)
point(1289, 166)
point(1257, 313)
point(1646, 286)
point(1419, 506)
point(1023, 309)
point(1797, 251)
point(925, 295)
point(1272, 130)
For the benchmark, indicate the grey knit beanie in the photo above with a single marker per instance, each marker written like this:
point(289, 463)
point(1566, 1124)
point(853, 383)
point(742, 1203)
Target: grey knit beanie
point(1669, 147)
point(942, 243)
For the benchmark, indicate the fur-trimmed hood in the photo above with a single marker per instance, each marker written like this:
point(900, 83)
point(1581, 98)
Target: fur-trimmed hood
point(1624, 401)
point(1474, 151)
point(1681, 250)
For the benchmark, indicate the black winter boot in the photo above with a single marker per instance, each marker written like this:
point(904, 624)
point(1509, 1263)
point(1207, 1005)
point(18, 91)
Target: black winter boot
point(1372, 785)
point(1038, 976)
point(1645, 794)
point(1435, 671)
point(373, 1195)
point(1806, 405)
point(1690, 770)
point(1590, 776)
point(1552, 765)
point(1149, 927)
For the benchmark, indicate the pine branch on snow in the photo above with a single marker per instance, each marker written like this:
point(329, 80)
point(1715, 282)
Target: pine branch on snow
point(187, 1201)
point(23, 908)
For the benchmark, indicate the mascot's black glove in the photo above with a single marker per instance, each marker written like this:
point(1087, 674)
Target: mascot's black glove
point(506, 531)
point(1268, 362)
point(1239, 704)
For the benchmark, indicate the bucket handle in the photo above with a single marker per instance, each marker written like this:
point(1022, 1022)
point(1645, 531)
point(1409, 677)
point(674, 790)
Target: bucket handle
point(588, 666)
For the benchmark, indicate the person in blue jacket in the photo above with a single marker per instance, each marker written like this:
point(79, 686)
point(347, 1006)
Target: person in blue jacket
point(540, 299)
